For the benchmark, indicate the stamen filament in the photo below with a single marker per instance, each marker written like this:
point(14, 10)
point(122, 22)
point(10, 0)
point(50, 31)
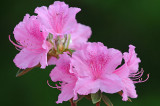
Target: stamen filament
point(69, 38)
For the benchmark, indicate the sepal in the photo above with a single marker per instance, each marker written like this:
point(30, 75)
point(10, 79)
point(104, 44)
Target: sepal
point(106, 100)
point(96, 97)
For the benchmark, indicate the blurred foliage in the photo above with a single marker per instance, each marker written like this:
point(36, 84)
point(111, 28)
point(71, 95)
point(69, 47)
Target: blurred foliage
point(116, 23)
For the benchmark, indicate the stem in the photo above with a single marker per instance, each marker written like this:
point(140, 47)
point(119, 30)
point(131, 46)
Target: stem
point(98, 104)
point(72, 103)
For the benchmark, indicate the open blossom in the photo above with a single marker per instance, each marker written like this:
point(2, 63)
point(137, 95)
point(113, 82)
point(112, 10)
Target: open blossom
point(94, 66)
point(60, 19)
point(31, 42)
point(129, 72)
point(61, 73)
point(33, 32)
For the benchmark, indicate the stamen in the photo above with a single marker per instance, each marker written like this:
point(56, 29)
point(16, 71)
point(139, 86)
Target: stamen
point(138, 75)
point(69, 38)
point(140, 80)
point(58, 87)
point(16, 45)
point(134, 74)
point(18, 48)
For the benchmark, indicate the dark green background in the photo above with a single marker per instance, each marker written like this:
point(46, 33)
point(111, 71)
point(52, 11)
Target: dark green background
point(116, 23)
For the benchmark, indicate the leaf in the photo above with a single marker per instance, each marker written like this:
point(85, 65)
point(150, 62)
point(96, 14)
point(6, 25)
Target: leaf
point(22, 72)
point(79, 98)
point(96, 97)
point(106, 100)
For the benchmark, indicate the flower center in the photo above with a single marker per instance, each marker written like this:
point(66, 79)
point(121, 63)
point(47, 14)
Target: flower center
point(59, 44)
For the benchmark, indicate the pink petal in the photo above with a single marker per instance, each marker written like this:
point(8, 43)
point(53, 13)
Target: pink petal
point(43, 60)
point(131, 59)
point(33, 41)
point(108, 84)
point(52, 61)
point(28, 33)
point(43, 16)
point(61, 71)
point(123, 71)
point(29, 59)
point(79, 36)
point(58, 19)
point(111, 83)
point(85, 86)
point(129, 89)
point(66, 92)
point(114, 59)
point(83, 59)
point(80, 66)
point(95, 59)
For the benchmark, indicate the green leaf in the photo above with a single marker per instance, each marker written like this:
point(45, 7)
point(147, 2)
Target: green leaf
point(79, 98)
point(96, 97)
point(106, 100)
point(22, 72)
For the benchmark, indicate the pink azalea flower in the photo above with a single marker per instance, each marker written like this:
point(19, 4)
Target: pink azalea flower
point(59, 19)
point(61, 73)
point(129, 72)
point(94, 66)
point(31, 42)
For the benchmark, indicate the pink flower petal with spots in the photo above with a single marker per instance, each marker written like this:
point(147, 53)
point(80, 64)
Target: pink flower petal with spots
point(29, 35)
point(94, 66)
point(58, 19)
point(95, 59)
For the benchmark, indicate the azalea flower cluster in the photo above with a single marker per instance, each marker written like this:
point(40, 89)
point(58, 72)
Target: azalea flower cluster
point(54, 37)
